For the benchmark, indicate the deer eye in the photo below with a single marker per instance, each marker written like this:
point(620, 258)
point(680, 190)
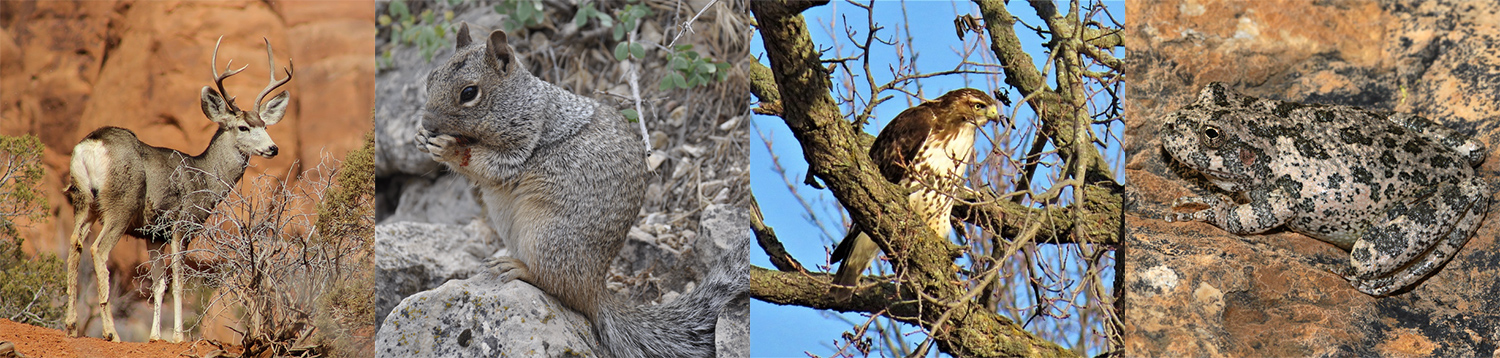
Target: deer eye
point(244, 129)
point(468, 94)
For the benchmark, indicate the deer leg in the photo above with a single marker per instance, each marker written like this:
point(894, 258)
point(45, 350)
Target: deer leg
point(176, 245)
point(108, 236)
point(158, 287)
point(81, 223)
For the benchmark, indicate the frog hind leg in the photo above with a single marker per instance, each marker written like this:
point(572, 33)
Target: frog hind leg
point(1473, 151)
point(1472, 198)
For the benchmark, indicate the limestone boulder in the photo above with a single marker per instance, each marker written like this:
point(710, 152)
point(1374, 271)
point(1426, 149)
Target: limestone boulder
point(480, 317)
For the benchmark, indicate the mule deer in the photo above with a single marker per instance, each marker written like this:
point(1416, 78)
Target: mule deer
point(128, 186)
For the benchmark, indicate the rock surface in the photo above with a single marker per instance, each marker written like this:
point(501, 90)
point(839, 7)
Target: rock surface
point(1195, 290)
point(413, 257)
point(448, 199)
point(480, 317)
point(514, 316)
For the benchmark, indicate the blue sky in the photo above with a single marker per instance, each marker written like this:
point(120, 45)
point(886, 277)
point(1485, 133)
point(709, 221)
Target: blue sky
point(786, 331)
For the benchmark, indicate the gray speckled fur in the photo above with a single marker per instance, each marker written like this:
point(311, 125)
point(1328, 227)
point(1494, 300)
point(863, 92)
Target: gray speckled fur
point(1397, 190)
point(562, 178)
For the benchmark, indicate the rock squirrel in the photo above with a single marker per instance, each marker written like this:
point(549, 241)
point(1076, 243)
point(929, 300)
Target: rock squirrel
point(562, 177)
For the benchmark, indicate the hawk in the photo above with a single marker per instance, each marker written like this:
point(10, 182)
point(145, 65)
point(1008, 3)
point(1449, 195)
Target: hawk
point(926, 149)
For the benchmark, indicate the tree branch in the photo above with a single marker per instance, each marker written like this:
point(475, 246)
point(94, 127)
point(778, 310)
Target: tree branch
point(979, 332)
point(922, 261)
point(1103, 212)
point(766, 237)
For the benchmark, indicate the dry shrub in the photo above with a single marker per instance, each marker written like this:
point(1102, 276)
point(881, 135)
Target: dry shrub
point(293, 259)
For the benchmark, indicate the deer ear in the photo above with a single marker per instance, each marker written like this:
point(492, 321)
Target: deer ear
point(214, 106)
point(272, 110)
point(499, 51)
point(463, 34)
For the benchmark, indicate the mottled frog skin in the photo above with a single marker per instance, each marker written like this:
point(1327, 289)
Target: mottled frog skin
point(1397, 191)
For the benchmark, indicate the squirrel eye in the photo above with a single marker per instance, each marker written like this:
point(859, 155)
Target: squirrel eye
point(468, 94)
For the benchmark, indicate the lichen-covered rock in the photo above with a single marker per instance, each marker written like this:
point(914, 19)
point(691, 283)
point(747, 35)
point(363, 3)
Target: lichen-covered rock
point(1195, 289)
point(414, 257)
point(481, 317)
point(732, 332)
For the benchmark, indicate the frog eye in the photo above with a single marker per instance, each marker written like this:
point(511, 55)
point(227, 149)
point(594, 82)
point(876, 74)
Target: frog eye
point(1211, 136)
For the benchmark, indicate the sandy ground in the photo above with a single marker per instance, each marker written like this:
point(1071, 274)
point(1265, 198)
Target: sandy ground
point(36, 341)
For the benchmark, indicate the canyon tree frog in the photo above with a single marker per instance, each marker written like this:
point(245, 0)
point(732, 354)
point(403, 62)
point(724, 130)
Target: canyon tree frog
point(1397, 191)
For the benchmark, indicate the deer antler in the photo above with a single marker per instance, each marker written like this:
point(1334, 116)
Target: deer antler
point(219, 79)
point(271, 59)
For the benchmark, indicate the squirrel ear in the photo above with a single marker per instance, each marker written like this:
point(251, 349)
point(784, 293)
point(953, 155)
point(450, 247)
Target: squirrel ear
point(499, 50)
point(463, 34)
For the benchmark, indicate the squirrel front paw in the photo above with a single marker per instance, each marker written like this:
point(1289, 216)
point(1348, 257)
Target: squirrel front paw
point(444, 148)
point(509, 268)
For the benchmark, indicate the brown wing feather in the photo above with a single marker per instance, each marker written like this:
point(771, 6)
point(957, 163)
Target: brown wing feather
point(897, 146)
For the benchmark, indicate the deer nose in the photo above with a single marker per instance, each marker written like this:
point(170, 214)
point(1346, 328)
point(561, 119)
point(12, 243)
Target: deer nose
point(272, 152)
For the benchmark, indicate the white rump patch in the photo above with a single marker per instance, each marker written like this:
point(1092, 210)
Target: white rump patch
point(90, 165)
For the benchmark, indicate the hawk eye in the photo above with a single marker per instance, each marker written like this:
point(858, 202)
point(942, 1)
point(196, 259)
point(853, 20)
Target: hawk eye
point(1212, 137)
point(468, 94)
point(979, 106)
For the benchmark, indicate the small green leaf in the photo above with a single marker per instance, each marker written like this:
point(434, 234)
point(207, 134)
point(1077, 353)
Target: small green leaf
point(622, 51)
point(383, 20)
point(604, 20)
point(677, 64)
point(665, 85)
point(684, 47)
point(581, 18)
point(631, 115)
point(637, 50)
point(398, 9)
point(706, 68)
point(678, 81)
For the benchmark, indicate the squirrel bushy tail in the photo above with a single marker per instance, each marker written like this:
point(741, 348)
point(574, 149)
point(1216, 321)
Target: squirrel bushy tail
point(685, 326)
